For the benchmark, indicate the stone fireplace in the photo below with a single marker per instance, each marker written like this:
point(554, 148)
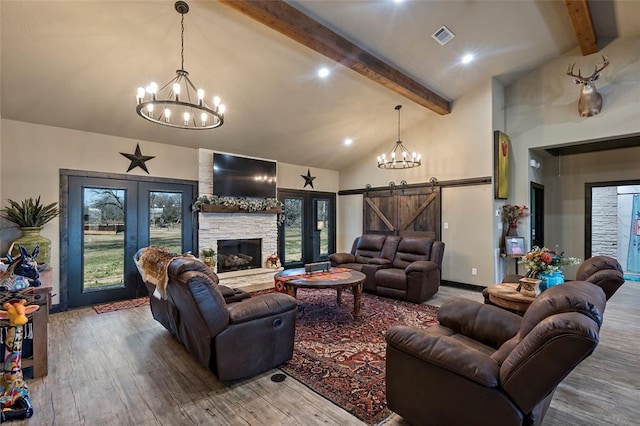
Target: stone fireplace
point(239, 254)
point(214, 227)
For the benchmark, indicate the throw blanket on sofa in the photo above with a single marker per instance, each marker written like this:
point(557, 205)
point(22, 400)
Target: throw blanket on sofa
point(153, 264)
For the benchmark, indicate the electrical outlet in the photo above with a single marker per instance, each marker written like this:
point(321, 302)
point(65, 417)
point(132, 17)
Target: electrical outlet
point(445, 225)
point(474, 271)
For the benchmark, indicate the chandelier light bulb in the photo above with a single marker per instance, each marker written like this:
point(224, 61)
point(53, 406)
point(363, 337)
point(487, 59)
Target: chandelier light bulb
point(176, 90)
point(141, 93)
point(216, 101)
point(200, 96)
point(167, 115)
point(186, 117)
point(150, 110)
point(203, 119)
point(222, 108)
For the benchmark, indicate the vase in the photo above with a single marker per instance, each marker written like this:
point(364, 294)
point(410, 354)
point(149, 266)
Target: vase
point(550, 279)
point(29, 240)
point(512, 231)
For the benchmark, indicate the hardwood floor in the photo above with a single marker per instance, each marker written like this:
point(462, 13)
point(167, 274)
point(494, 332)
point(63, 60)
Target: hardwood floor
point(123, 368)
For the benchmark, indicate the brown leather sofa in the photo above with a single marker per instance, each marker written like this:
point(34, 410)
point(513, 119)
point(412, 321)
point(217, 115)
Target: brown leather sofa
point(234, 339)
point(406, 268)
point(483, 365)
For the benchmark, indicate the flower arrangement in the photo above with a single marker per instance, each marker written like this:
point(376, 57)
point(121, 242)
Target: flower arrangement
point(242, 203)
point(546, 260)
point(512, 214)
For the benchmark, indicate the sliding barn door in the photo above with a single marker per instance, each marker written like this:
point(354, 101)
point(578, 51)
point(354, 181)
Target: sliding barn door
point(403, 212)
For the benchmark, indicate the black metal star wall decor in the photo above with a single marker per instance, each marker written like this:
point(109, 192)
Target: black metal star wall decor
point(137, 159)
point(308, 179)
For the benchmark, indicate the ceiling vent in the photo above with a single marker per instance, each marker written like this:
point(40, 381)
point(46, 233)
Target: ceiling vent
point(443, 35)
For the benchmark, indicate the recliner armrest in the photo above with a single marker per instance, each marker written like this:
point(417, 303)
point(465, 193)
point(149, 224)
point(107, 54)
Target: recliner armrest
point(486, 323)
point(340, 258)
point(422, 266)
point(446, 353)
point(260, 307)
point(379, 261)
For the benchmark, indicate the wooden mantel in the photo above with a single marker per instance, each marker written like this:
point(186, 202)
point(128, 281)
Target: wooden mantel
point(216, 208)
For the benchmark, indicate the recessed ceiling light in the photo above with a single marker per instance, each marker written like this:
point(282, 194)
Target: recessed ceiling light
point(467, 58)
point(323, 72)
point(398, 1)
point(348, 141)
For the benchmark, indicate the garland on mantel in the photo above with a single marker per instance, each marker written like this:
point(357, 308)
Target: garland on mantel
point(241, 203)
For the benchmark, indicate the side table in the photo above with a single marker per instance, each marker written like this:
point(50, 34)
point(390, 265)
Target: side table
point(506, 296)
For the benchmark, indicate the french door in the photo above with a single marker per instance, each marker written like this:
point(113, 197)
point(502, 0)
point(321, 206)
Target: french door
point(108, 221)
point(309, 231)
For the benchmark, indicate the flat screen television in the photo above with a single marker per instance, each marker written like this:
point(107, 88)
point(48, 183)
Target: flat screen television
point(235, 176)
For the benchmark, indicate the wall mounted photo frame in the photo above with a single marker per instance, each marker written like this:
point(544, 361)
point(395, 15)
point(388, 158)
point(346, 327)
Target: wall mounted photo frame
point(514, 246)
point(501, 148)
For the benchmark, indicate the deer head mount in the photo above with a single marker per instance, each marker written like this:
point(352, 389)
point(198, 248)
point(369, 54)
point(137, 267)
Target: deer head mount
point(590, 101)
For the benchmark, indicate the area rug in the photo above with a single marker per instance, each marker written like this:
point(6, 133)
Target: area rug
point(344, 360)
point(123, 304)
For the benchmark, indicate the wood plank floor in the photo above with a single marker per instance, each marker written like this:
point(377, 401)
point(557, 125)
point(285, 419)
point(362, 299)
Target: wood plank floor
point(123, 368)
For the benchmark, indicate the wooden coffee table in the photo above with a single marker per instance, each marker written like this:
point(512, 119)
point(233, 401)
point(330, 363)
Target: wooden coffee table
point(337, 280)
point(505, 295)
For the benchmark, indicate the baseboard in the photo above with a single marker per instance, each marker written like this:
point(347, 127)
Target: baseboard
point(465, 286)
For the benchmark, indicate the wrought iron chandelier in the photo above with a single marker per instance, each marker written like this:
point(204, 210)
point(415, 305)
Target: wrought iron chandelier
point(178, 103)
point(399, 157)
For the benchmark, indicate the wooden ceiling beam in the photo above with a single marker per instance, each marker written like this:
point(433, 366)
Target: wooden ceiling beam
point(580, 16)
point(294, 24)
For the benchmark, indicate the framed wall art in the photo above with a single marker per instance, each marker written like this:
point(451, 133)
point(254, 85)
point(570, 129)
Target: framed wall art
point(501, 148)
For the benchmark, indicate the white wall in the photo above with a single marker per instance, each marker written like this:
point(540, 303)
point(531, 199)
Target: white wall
point(32, 156)
point(541, 111)
point(455, 146)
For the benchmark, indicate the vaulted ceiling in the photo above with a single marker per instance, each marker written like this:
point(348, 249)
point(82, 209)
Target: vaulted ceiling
point(77, 64)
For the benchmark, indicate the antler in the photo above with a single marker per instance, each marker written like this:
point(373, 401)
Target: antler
point(595, 72)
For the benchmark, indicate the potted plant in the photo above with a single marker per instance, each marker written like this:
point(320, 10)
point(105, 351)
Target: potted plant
point(31, 215)
point(208, 256)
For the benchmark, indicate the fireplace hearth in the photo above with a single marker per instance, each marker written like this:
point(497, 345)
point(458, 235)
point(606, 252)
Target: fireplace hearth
point(239, 254)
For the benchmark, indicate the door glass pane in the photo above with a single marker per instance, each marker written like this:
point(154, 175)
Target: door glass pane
point(293, 230)
point(103, 238)
point(322, 227)
point(165, 220)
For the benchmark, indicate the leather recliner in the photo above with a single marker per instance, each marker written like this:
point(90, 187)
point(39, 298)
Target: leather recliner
point(234, 340)
point(603, 271)
point(483, 365)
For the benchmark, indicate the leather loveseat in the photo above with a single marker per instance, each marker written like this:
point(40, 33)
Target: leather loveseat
point(483, 365)
point(234, 339)
point(401, 267)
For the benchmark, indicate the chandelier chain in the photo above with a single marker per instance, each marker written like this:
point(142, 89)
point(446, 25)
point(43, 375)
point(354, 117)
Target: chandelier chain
point(398, 108)
point(182, 41)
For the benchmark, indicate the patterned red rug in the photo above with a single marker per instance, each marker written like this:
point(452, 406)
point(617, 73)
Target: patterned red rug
point(344, 360)
point(123, 304)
